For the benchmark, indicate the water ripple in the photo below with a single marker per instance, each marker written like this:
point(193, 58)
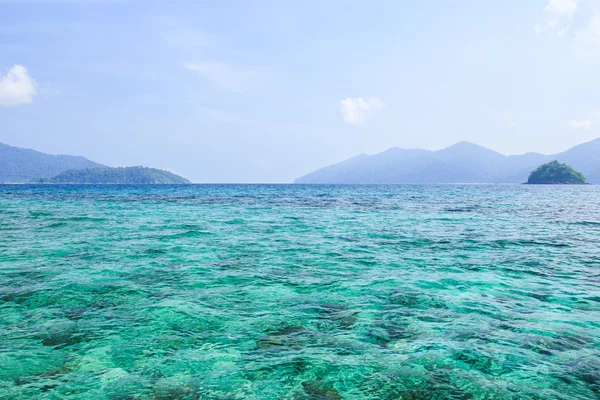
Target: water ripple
point(299, 292)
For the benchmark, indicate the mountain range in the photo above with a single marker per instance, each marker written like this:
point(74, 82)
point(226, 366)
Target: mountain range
point(23, 165)
point(463, 162)
point(19, 165)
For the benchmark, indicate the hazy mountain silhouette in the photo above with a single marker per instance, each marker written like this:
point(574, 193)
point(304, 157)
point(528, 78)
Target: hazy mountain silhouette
point(22, 165)
point(463, 162)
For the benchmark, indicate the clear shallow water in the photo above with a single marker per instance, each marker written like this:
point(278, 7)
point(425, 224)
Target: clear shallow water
point(300, 292)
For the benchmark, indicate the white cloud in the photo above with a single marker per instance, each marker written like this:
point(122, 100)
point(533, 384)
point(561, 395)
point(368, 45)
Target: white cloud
point(559, 14)
point(579, 22)
point(580, 124)
point(358, 110)
point(17, 87)
point(228, 77)
point(566, 8)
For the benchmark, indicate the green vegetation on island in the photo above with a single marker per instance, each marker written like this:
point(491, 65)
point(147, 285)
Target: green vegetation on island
point(555, 173)
point(121, 175)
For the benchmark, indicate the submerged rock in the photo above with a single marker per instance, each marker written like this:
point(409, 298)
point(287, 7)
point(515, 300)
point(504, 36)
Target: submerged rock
point(586, 371)
point(75, 313)
point(285, 337)
point(319, 390)
point(415, 300)
point(481, 362)
point(63, 338)
point(338, 314)
point(387, 332)
point(170, 391)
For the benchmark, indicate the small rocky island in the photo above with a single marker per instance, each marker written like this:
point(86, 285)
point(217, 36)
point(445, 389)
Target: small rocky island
point(122, 175)
point(555, 173)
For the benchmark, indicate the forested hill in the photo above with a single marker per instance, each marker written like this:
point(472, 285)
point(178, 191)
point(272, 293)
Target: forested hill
point(122, 175)
point(555, 173)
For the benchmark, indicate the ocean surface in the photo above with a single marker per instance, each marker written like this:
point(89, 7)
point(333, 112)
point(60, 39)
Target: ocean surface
point(300, 292)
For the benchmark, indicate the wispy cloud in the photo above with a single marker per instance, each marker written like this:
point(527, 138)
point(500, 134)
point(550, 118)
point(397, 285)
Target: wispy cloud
point(358, 111)
point(559, 14)
point(229, 77)
point(580, 124)
point(579, 20)
point(17, 87)
point(566, 8)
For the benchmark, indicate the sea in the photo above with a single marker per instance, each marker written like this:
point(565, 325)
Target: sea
point(299, 292)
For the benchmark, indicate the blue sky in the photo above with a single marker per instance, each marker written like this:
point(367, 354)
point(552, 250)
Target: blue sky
point(266, 91)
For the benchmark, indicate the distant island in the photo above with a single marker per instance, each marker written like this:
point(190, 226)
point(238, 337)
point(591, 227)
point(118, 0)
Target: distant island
point(555, 173)
point(18, 165)
point(122, 175)
point(462, 162)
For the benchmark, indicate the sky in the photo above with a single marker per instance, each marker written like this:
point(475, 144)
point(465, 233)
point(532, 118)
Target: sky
point(266, 91)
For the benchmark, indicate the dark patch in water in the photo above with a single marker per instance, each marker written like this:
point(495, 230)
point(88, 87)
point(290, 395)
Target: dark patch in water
point(415, 300)
point(587, 223)
point(503, 243)
point(75, 313)
point(481, 362)
point(57, 225)
point(319, 390)
point(462, 209)
point(63, 338)
point(36, 214)
point(185, 235)
point(338, 314)
point(16, 296)
point(176, 392)
point(281, 338)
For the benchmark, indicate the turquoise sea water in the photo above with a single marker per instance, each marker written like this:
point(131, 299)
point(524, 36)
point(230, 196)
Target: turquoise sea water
point(300, 292)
